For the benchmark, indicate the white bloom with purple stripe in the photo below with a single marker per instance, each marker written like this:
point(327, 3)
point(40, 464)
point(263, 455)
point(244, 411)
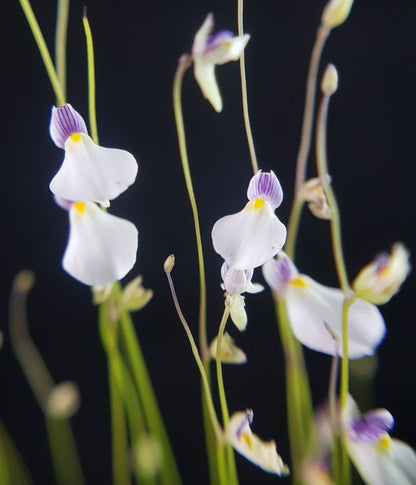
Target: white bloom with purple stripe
point(101, 247)
point(261, 453)
point(380, 459)
point(250, 237)
point(89, 172)
point(211, 50)
point(311, 306)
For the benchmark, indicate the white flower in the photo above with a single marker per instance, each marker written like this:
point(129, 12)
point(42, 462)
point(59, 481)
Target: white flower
point(250, 237)
point(311, 305)
point(261, 453)
point(101, 247)
point(89, 172)
point(208, 51)
point(381, 279)
point(380, 460)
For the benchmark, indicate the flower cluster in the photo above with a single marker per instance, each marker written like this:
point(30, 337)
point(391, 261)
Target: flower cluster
point(101, 247)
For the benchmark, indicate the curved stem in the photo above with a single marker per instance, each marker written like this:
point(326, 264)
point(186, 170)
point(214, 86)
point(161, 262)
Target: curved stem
point(184, 64)
point(249, 134)
point(44, 52)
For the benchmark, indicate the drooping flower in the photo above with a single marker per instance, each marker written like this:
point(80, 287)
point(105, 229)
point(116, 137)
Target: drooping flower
point(381, 279)
point(211, 50)
point(313, 194)
point(380, 459)
point(311, 306)
point(230, 353)
point(250, 237)
point(236, 282)
point(261, 453)
point(101, 247)
point(89, 172)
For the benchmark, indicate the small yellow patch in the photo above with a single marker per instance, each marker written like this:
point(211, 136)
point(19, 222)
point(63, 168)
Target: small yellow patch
point(80, 207)
point(258, 203)
point(299, 282)
point(384, 443)
point(75, 137)
point(246, 438)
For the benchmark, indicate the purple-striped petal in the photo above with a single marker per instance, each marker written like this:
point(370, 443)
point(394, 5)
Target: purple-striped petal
point(278, 273)
point(370, 427)
point(218, 38)
point(65, 121)
point(265, 185)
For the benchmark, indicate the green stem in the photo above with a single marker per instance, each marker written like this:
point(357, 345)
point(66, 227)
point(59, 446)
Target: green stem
point(12, 468)
point(184, 63)
point(44, 52)
point(169, 472)
point(247, 125)
point(91, 78)
point(299, 402)
point(305, 142)
point(60, 42)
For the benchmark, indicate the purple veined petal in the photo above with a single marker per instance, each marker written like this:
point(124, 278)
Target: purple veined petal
point(370, 427)
point(65, 121)
point(278, 273)
point(265, 185)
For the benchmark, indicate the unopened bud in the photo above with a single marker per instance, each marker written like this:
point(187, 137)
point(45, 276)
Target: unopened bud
point(329, 82)
point(169, 263)
point(336, 13)
point(147, 456)
point(63, 401)
point(24, 281)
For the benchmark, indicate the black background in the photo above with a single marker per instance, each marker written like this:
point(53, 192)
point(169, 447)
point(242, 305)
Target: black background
point(137, 44)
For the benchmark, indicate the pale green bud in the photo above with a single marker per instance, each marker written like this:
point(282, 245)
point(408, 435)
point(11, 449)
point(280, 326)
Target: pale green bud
point(336, 13)
point(329, 82)
point(63, 401)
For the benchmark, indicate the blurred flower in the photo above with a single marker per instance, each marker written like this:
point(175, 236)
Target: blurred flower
point(250, 237)
point(261, 453)
point(89, 172)
point(230, 353)
point(236, 282)
point(313, 194)
point(380, 280)
point(211, 50)
point(310, 304)
point(135, 296)
point(101, 247)
point(379, 459)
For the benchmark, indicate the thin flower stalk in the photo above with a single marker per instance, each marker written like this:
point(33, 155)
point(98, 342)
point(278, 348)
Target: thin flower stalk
point(12, 466)
point(44, 52)
point(243, 77)
point(60, 42)
point(184, 64)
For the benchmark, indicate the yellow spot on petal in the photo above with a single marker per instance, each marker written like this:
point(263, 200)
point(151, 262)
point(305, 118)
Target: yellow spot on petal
point(79, 206)
point(298, 282)
point(384, 443)
point(258, 203)
point(246, 438)
point(75, 137)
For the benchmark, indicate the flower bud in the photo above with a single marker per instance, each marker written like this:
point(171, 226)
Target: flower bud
point(169, 263)
point(336, 13)
point(329, 83)
point(63, 401)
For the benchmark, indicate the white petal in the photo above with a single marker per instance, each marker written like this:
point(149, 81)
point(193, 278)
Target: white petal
point(310, 304)
point(93, 173)
point(261, 453)
point(204, 73)
point(201, 37)
point(395, 465)
point(238, 313)
point(227, 50)
point(249, 238)
point(101, 248)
